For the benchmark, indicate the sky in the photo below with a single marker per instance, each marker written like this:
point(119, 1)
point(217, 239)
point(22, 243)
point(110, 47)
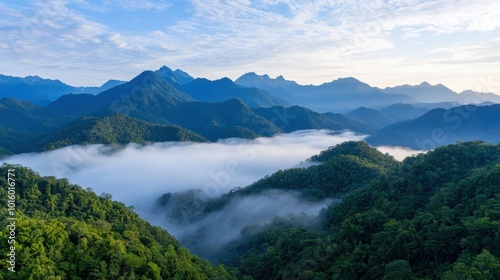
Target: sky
point(380, 42)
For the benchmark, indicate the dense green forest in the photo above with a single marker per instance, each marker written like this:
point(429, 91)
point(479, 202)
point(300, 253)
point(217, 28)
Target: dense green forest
point(432, 216)
point(66, 232)
point(435, 216)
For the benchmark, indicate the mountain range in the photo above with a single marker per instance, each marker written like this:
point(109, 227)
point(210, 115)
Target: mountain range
point(427, 93)
point(42, 91)
point(197, 109)
point(440, 127)
point(338, 96)
point(345, 94)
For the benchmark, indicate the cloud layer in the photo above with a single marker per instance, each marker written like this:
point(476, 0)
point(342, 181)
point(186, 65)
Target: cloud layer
point(138, 175)
point(206, 235)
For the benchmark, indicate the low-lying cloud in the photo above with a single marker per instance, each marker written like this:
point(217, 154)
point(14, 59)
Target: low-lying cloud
point(137, 175)
point(207, 235)
point(399, 153)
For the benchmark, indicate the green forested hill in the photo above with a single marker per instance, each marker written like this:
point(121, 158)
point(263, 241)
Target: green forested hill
point(436, 216)
point(27, 117)
point(115, 129)
point(338, 171)
point(66, 232)
point(433, 216)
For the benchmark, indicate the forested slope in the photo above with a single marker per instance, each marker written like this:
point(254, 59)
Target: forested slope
point(432, 216)
point(66, 232)
point(436, 216)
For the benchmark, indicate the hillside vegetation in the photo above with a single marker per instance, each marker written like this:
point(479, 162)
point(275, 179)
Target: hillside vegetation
point(436, 216)
point(432, 216)
point(66, 232)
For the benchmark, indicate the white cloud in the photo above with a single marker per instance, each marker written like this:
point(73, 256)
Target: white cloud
point(137, 175)
point(399, 153)
point(108, 5)
point(208, 234)
point(482, 53)
point(308, 41)
point(446, 16)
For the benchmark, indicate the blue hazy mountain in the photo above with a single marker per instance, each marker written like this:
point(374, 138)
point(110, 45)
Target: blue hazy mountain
point(440, 127)
point(403, 112)
point(279, 86)
point(227, 119)
point(177, 77)
point(368, 120)
point(144, 97)
point(351, 123)
point(224, 89)
point(210, 109)
point(41, 91)
point(371, 116)
point(298, 118)
point(340, 95)
point(427, 93)
point(149, 97)
point(24, 116)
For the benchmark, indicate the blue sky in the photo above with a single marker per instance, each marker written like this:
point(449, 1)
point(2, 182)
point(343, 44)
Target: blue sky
point(381, 42)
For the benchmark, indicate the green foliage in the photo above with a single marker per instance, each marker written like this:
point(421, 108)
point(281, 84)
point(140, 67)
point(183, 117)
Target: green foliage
point(65, 232)
point(435, 216)
point(358, 149)
point(485, 266)
point(116, 129)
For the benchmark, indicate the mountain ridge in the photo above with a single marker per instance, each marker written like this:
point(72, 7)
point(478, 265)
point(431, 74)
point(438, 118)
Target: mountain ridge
point(41, 91)
point(339, 95)
point(440, 127)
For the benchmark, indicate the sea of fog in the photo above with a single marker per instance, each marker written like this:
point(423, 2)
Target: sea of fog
point(139, 174)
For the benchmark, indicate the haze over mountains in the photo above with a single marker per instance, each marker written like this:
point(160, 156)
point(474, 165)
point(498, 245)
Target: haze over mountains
point(43, 91)
point(251, 106)
point(346, 94)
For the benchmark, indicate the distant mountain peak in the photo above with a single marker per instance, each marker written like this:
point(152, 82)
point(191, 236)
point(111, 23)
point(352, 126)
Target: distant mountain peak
point(426, 84)
point(174, 77)
point(250, 78)
point(165, 68)
point(144, 76)
point(225, 80)
point(348, 79)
